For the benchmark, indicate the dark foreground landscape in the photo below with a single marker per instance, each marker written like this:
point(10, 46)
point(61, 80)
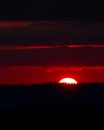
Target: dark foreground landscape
point(52, 96)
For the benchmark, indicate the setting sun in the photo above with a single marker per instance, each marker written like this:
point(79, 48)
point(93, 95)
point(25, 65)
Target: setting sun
point(68, 81)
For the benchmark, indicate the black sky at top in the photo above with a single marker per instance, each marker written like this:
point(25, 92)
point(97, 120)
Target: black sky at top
point(51, 10)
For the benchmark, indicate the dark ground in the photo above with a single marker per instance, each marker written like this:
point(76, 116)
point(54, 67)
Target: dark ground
point(52, 96)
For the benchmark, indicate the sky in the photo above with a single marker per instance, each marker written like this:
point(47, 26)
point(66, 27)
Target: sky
point(46, 51)
point(47, 40)
point(51, 9)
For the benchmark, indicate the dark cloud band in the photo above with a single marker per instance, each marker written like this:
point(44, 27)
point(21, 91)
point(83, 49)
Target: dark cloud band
point(51, 33)
point(52, 55)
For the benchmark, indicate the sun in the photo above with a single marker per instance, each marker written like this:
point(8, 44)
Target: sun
point(68, 81)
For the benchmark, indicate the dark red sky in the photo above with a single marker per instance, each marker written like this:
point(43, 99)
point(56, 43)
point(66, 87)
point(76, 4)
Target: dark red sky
point(46, 51)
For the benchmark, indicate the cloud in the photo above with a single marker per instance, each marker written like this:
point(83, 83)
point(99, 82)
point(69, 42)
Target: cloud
point(86, 45)
point(27, 47)
point(9, 24)
point(79, 68)
point(50, 46)
point(51, 33)
point(52, 55)
point(51, 69)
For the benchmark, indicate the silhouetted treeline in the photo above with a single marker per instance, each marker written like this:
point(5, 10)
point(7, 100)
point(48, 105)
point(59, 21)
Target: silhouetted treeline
point(52, 95)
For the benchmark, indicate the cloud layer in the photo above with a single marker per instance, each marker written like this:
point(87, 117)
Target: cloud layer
point(9, 47)
point(51, 33)
point(61, 56)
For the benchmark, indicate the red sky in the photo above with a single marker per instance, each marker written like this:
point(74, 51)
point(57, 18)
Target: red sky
point(30, 75)
point(9, 24)
point(47, 51)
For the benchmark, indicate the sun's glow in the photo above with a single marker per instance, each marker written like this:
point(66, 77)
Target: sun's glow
point(68, 81)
